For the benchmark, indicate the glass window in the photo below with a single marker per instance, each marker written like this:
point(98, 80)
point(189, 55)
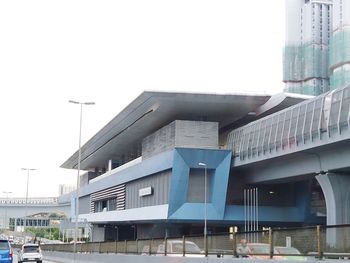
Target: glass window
point(4, 245)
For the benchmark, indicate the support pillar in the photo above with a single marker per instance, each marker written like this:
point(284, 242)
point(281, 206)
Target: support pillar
point(335, 188)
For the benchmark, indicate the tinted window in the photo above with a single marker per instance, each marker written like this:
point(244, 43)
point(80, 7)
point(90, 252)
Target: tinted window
point(31, 249)
point(259, 249)
point(4, 245)
point(287, 250)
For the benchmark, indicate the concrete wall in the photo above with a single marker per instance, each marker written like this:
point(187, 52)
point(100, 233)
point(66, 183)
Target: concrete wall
point(159, 183)
point(191, 134)
point(63, 257)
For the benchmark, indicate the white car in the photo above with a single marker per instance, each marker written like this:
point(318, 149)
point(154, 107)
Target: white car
point(175, 249)
point(30, 253)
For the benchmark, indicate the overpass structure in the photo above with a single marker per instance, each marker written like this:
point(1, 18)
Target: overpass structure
point(14, 210)
point(310, 139)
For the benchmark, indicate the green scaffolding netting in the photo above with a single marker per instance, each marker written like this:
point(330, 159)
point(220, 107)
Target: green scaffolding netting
point(340, 78)
point(306, 90)
point(339, 48)
point(305, 62)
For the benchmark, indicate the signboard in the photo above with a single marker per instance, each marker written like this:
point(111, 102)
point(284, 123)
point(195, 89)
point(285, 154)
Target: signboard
point(145, 191)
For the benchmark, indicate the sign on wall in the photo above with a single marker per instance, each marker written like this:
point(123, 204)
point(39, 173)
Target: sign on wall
point(145, 191)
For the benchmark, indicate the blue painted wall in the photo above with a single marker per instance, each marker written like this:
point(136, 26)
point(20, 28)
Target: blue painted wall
point(219, 162)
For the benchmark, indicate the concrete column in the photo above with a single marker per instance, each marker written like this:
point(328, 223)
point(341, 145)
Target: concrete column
point(335, 188)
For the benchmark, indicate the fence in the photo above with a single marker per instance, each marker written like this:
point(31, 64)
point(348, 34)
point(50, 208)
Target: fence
point(282, 243)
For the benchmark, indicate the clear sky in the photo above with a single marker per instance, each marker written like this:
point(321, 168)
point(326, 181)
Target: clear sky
point(109, 52)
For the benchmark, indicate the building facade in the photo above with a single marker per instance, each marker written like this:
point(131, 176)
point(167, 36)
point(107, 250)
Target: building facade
point(162, 167)
point(316, 54)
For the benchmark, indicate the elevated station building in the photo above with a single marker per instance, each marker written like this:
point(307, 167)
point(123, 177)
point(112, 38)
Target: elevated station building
point(147, 169)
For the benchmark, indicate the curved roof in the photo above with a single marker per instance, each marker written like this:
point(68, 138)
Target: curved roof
point(152, 110)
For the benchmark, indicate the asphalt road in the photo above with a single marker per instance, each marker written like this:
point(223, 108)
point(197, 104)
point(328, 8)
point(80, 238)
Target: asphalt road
point(16, 261)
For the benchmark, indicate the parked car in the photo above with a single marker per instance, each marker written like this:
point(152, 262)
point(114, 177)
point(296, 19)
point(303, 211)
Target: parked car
point(289, 253)
point(256, 251)
point(175, 248)
point(6, 255)
point(30, 253)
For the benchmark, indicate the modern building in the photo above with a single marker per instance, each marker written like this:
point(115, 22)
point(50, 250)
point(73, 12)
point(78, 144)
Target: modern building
point(317, 50)
point(172, 163)
point(163, 161)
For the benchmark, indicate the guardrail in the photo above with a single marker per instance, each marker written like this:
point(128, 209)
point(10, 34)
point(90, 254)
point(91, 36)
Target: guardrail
point(283, 243)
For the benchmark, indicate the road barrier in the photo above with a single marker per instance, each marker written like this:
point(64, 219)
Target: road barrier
point(282, 243)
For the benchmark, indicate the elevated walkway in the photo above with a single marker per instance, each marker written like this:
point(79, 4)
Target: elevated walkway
point(311, 124)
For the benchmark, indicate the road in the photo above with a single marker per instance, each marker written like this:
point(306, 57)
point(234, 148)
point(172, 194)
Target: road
point(16, 261)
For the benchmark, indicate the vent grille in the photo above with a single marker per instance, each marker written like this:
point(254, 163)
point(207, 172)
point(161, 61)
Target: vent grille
point(117, 192)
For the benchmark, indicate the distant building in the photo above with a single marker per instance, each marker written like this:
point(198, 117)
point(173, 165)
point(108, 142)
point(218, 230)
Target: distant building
point(65, 189)
point(13, 211)
point(317, 50)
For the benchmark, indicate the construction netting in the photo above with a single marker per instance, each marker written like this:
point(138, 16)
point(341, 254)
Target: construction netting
point(305, 62)
point(340, 48)
point(341, 77)
point(314, 88)
point(340, 59)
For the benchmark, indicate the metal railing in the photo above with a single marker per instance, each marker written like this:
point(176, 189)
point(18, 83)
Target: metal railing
point(325, 116)
point(283, 243)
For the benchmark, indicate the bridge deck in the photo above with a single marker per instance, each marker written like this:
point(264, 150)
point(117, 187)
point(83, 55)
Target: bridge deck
point(322, 120)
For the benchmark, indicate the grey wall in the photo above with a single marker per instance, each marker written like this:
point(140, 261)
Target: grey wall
point(160, 141)
point(191, 134)
point(196, 184)
point(196, 134)
point(160, 184)
point(84, 205)
point(98, 233)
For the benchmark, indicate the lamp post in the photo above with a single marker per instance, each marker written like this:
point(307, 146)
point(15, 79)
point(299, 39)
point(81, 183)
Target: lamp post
point(26, 209)
point(7, 203)
point(205, 205)
point(78, 176)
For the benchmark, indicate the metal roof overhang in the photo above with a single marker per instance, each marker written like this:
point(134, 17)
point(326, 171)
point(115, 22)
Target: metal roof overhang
point(152, 110)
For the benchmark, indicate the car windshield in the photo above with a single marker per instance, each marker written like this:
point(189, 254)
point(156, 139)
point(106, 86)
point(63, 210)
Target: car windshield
point(31, 249)
point(192, 248)
point(287, 250)
point(259, 248)
point(4, 245)
point(189, 248)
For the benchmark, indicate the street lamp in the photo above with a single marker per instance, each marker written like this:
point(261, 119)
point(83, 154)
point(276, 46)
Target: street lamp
point(78, 176)
point(7, 203)
point(26, 210)
point(205, 204)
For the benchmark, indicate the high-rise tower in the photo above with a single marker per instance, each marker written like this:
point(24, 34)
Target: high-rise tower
point(339, 65)
point(317, 51)
point(308, 30)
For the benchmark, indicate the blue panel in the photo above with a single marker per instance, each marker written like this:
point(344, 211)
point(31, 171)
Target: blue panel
point(184, 158)
point(235, 213)
point(303, 198)
point(179, 183)
point(195, 212)
point(154, 164)
point(220, 184)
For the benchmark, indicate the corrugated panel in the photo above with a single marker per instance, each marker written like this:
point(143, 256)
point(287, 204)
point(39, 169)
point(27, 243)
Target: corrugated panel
point(160, 185)
point(112, 192)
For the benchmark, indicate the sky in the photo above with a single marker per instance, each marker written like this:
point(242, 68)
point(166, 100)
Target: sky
point(109, 52)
